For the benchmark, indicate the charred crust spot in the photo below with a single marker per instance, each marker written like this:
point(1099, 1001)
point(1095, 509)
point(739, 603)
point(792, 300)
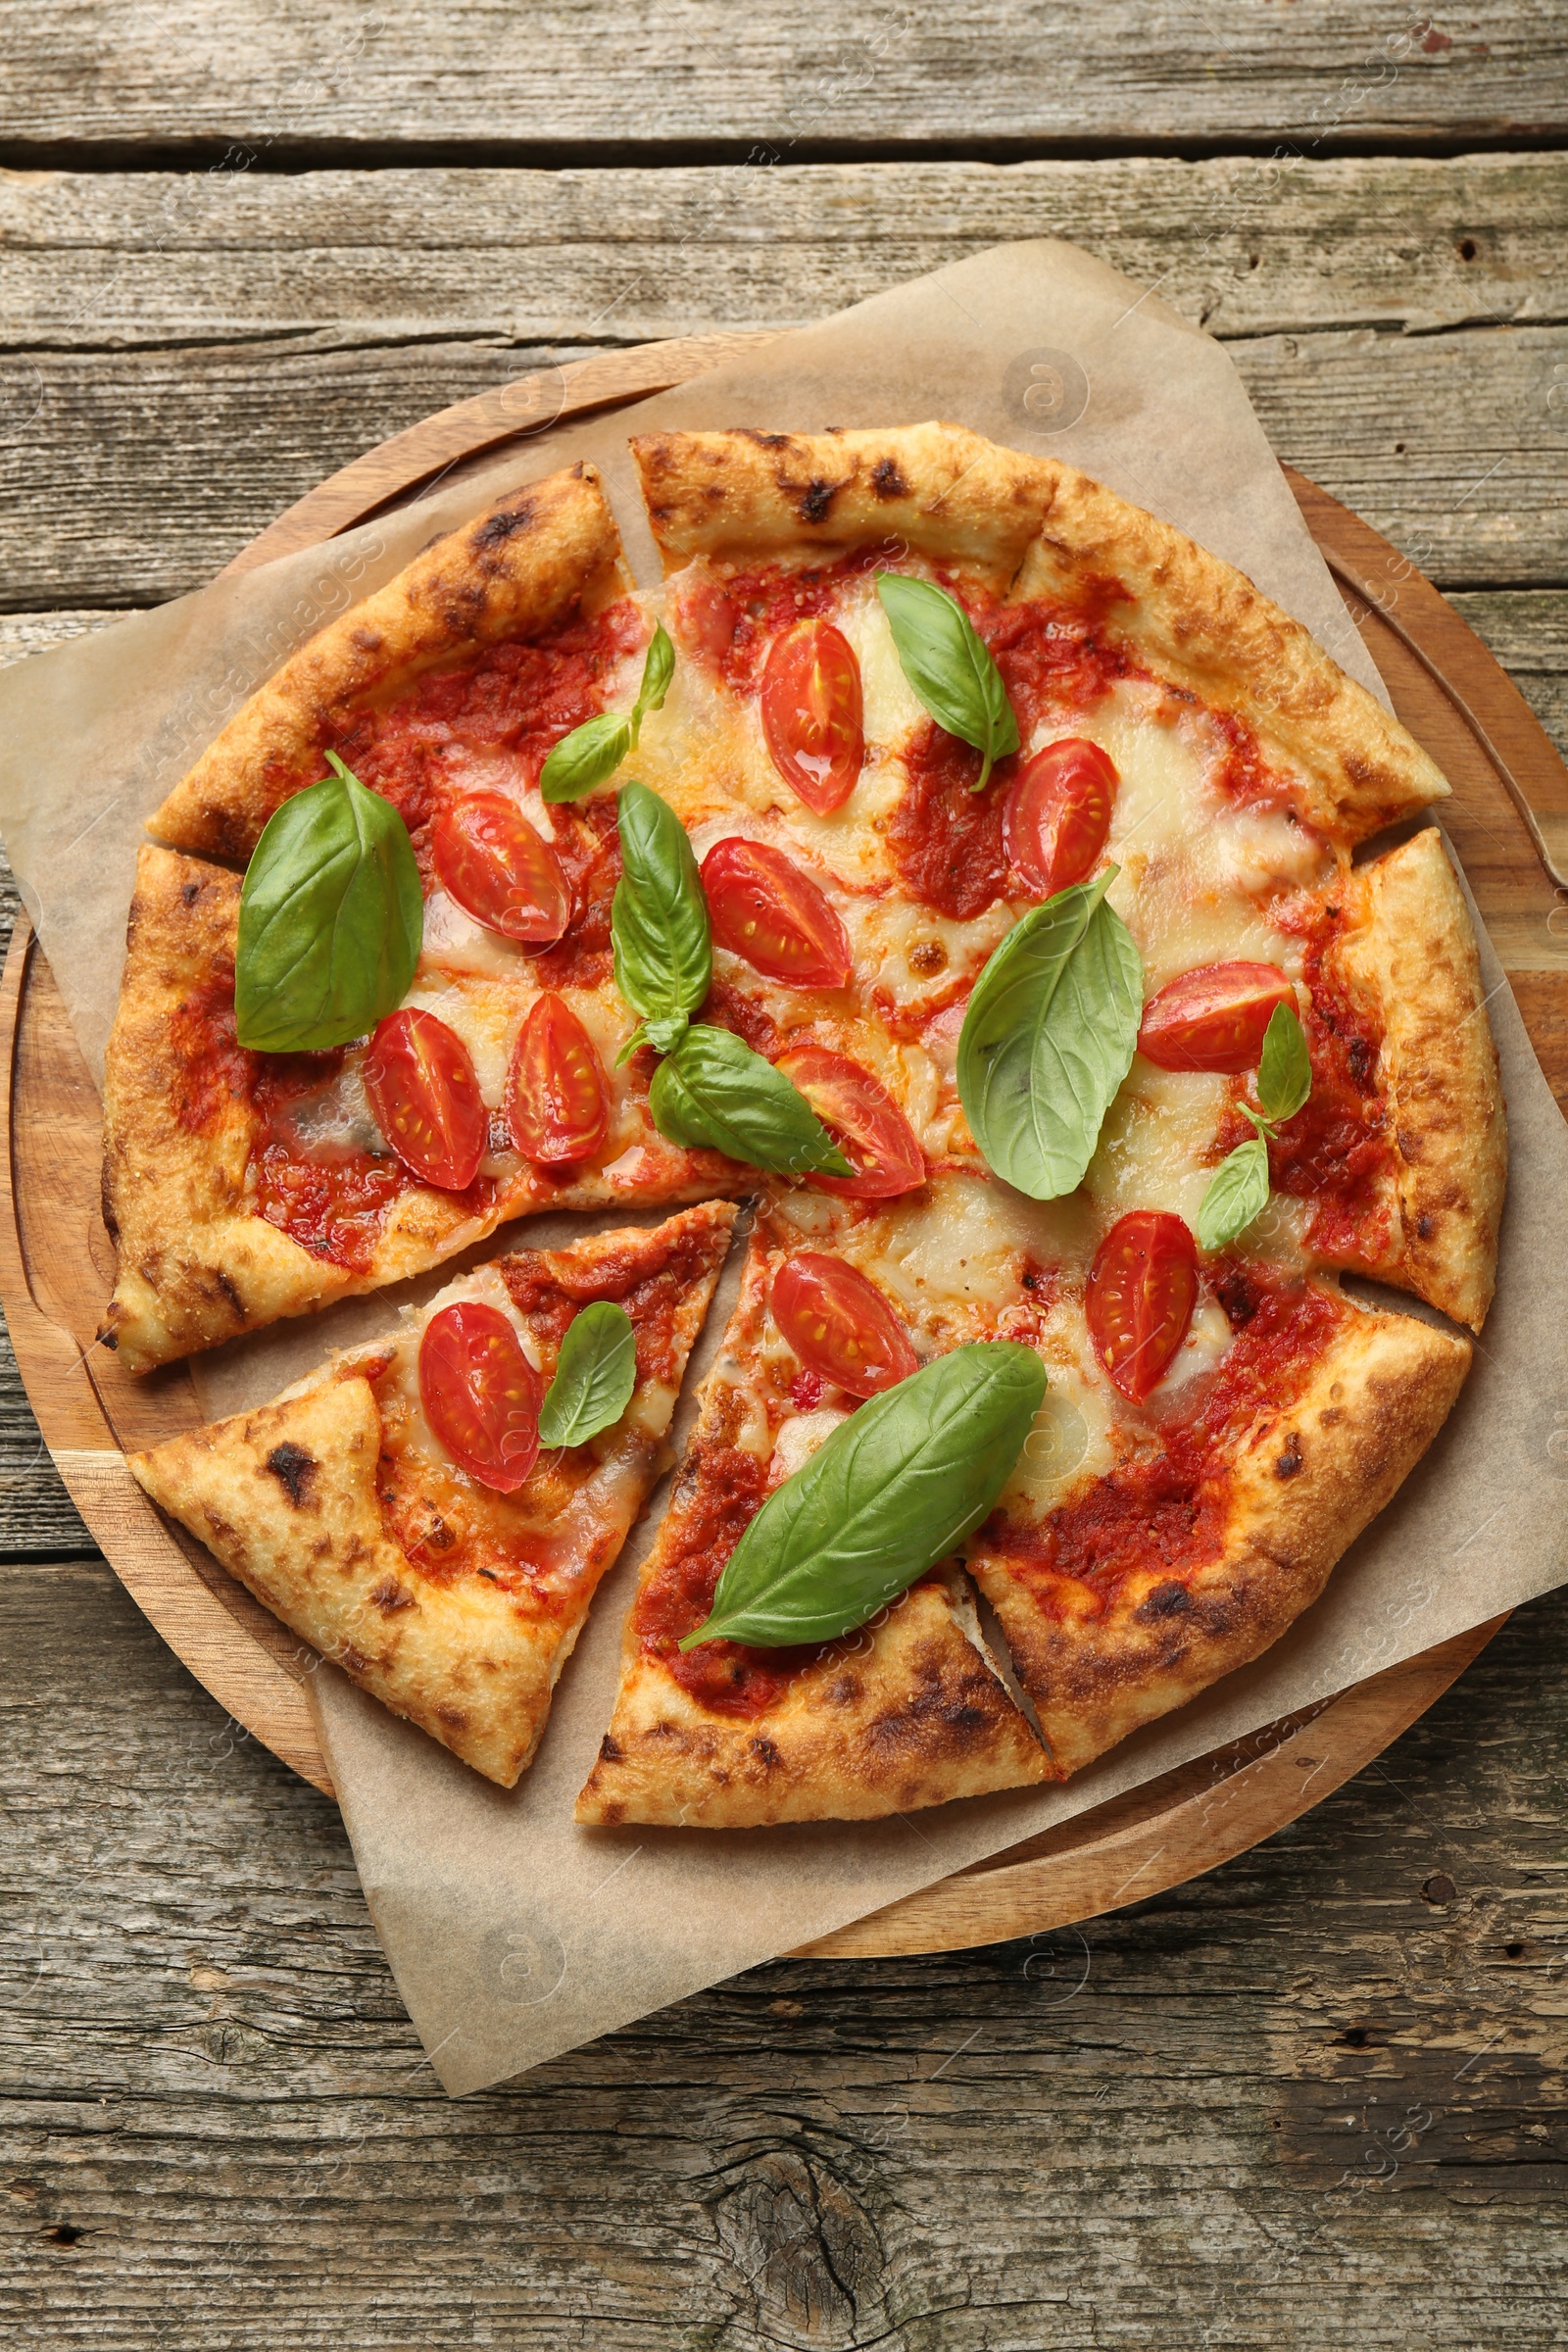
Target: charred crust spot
point(1362, 1056)
point(767, 1754)
point(1290, 1461)
point(815, 500)
point(389, 1595)
point(1424, 1227)
point(1329, 1416)
point(352, 1660)
point(453, 1717)
point(294, 1470)
point(190, 893)
point(496, 529)
point(885, 479)
point(1165, 1600)
point(762, 440)
point(230, 1292)
point(928, 955)
point(1408, 1142)
point(609, 1750)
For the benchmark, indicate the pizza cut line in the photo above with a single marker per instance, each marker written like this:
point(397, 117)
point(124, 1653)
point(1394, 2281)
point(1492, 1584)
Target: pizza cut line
point(1075, 769)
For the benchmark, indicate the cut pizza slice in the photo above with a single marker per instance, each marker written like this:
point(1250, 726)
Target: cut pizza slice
point(393, 1509)
point(241, 1186)
point(904, 1711)
point(1215, 1433)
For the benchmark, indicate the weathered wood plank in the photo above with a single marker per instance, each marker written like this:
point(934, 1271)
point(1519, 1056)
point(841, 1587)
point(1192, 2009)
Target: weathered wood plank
point(1529, 634)
point(137, 474)
point(996, 71)
point(1315, 2098)
point(1243, 246)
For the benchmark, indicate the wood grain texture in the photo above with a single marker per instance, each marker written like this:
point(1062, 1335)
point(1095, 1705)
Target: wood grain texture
point(1314, 2100)
point(563, 75)
point(1243, 245)
point(267, 329)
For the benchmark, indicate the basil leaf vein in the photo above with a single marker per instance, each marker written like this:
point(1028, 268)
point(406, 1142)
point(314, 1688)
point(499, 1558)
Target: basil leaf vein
point(596, 1373)
point(948, 665)
point(591, 754)
point(895, 1489)
point(1049, 1038)
point(331, 919)
point(713, 1094)
point(658, 929)
point(1285, 1072)
point(1237, 1194)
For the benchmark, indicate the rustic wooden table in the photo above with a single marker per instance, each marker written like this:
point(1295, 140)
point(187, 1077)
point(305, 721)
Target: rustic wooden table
point(1317, 2093)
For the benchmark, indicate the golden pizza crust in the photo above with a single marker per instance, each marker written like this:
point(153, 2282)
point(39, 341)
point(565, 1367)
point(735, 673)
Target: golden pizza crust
point(196, 1264)
point(520, 566)
point(945, 491)
point(1408, 955)
point(915, 1717)
point(287, 1498)
point(1307, 1479)
point(1032, 526)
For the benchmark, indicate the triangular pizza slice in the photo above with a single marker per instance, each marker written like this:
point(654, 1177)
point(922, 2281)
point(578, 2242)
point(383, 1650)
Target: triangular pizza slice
point(1153, 1537)
point(344, 1507)
point(904, 1711)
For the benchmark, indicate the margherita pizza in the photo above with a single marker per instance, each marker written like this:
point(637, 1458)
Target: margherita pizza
point(983, 876)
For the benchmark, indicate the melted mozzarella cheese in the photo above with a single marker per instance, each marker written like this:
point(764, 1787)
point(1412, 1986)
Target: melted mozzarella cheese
point(455, 943)
point(798, 1438)
point(1156, 1147)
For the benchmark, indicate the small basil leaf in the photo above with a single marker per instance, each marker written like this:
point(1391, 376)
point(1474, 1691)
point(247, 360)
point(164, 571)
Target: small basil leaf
point(1238, 1194)
point(665, 1031)
point(894, 1489)
point(1049, 1038)
point(1284, 1074)
point(596, 1373)
point(713, 1094)
point(590, 754)
point(948, 665)
point(331, 919)
point(659, 916)
point(659, 667)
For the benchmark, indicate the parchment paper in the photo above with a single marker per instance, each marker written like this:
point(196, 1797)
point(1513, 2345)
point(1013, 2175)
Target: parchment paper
point(512, 1935)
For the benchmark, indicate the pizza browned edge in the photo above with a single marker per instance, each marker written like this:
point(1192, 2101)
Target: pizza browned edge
point(522, 565)
point(286, 1498)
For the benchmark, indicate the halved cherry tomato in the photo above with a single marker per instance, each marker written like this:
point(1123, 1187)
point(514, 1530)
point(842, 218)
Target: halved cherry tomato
point(812, 713)
point(840, 1325)
point(763, 907)
point(499, 870)
point(555, 1103)
point(1213, 1018)
point(427, 1099)
point(1057, 816)
point(863, 1120)
point(480, 1394)
point(1143, 1287)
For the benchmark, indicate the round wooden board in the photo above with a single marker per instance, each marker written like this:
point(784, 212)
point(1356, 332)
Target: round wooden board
point(1509, 823)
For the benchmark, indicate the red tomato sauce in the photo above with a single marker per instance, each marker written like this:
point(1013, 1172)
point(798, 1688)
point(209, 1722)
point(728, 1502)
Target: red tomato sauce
point(945, 839)
point(214, 1067)
point(450, 1528)
point(1053, 658)
point(1336, 1149)
point(1244, 774)
point(515, 698)
point(731, 621)
point(588, 845)
point(730, 1008)
point(650, 1281)
point(725, 1486)
point(1169, 1511)
point(333, 1208)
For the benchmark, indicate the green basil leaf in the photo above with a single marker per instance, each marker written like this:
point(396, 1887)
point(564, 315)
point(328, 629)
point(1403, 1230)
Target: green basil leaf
point(713, 1094)
point(596, 1373)
point(1238, 1194)
point(948, 664)
point(659, 667)
point(1284, 1074)
point(1049, 1038)
point(894, 1489)
point(331, 919)
point(590, 754)
point(659, 916)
